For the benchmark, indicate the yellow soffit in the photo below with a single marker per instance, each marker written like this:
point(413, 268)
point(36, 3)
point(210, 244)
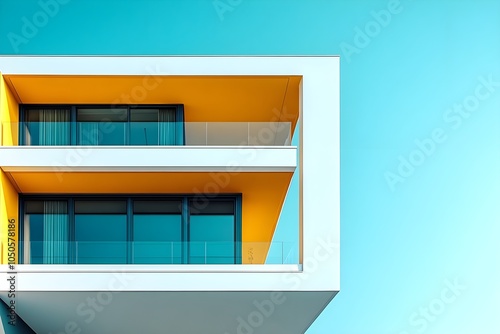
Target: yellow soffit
point(205, 98)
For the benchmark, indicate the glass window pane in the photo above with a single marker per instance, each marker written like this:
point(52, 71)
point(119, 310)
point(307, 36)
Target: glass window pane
point(157, 239)
point(48, 114)
point(33, 207)
point(211, 239)
point(88, 206)
point(217, 207)
point(101, 115)
point(167, 206)
point(100, 238)
point(144, 115)
point(35, 242)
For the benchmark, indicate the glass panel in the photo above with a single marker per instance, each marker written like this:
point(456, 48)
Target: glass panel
point(196, 133)
point(144, 133)
point(101, 133)
point(101, 238)
point(157, 239)
point(55, 232)
point(155, 127)
point(101, 126)
point(212, 239)
point(88, 133)
point(48, 232)
point(167, 127)
point(227, 133)
point(47, 127)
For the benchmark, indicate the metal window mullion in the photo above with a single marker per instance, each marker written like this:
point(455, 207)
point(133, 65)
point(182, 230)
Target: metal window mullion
point(73, 126)
point(20, 224)
point(127, 128)
point(23, 123)
point(185, 231)
point(237, 228)
point(130, 232)
point(72, 231)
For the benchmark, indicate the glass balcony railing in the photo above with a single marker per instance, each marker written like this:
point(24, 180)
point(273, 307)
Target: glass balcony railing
point(240, 134)
point(158, 252)
point(147, 133)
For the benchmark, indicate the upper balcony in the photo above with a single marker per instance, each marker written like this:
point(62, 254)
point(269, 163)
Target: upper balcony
point(188, 123)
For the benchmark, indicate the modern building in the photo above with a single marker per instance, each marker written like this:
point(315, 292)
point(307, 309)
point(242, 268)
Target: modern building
point(142, 194)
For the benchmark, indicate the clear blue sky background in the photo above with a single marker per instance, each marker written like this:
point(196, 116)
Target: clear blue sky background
point(415, 78)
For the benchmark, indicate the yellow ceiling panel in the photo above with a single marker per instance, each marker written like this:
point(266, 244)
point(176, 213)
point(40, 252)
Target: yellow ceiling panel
point(206, 98)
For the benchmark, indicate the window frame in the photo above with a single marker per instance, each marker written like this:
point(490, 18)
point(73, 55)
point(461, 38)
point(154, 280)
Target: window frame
point(185, 218)
point(73, 131)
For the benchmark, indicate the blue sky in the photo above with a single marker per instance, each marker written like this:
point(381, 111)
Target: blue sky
point(420, 139)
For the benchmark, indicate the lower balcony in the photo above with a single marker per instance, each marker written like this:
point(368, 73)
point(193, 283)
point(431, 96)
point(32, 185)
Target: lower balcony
point(175, 229)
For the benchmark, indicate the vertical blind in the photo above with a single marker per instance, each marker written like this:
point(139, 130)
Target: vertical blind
point(48, 126)
point(55, 232)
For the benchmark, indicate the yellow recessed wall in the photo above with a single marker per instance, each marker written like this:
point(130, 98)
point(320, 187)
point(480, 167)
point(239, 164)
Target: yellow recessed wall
point(9, 112)
point(263, 194)
point(8, 214)
point(9, 115)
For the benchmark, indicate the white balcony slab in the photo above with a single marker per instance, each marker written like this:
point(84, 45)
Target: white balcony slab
point(148, 158)
point(286, 277)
